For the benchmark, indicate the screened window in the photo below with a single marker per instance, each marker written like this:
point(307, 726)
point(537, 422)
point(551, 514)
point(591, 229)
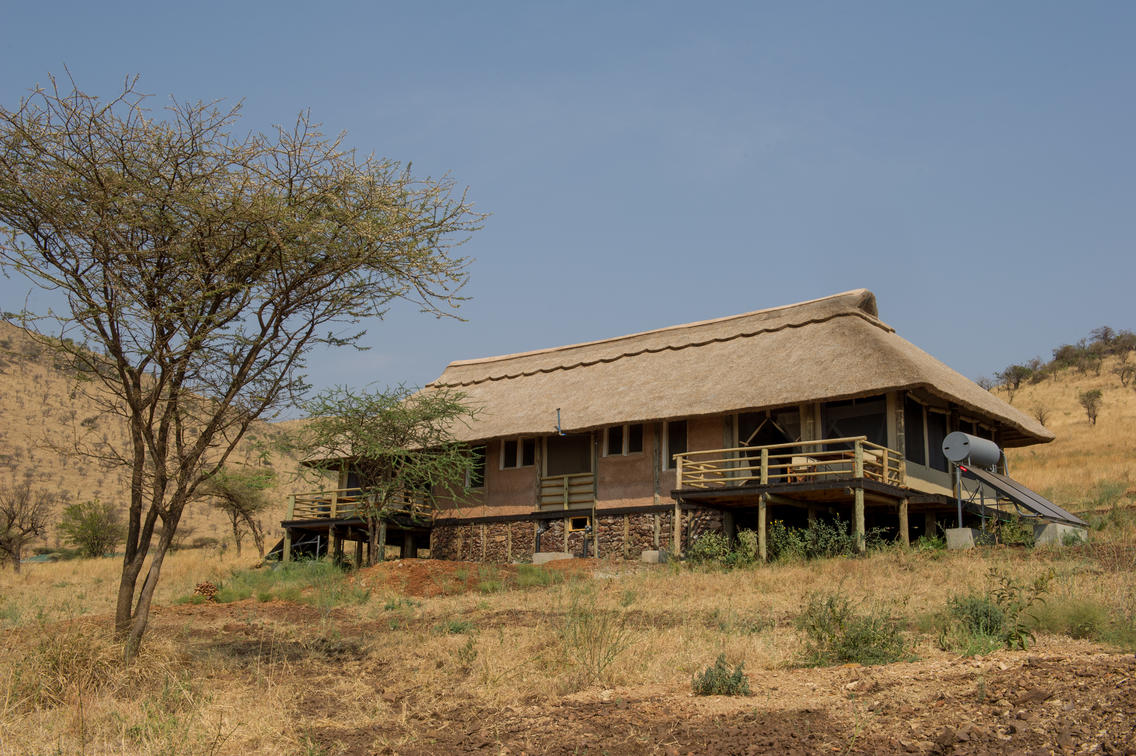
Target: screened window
point(913, 444)
point(675, 437)
point(518, 452)
point(623, 439)
point(578, 523)
point(856, 417)
point(568, 455)
point(936, 432)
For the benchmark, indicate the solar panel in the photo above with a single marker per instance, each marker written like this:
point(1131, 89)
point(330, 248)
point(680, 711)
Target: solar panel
point(1019, 494)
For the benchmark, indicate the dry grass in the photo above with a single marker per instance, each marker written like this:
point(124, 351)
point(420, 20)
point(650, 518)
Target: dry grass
point(253, 677)
point(1086, 462)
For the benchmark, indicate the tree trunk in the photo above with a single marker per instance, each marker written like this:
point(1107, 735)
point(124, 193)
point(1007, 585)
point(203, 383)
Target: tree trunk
point(126, 584)
point(16, 550)
point(236, 533)
point(382, 540)
point(372, 540)
point(142, 611)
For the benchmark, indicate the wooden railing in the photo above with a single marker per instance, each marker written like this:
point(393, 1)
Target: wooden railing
point(347, 504)
point(796, 462)
point(567, 491)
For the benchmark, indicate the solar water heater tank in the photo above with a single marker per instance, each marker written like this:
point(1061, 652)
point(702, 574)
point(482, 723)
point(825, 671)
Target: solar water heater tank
point(960, 447)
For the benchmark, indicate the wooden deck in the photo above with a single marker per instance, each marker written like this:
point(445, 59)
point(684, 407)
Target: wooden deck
point(340, 515)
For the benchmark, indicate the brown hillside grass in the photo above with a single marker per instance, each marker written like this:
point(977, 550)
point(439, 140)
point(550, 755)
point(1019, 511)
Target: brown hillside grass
point(1087, 466)
point(45, 412)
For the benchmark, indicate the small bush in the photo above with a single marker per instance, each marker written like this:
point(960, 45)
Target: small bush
point(1076, 618)
point(454, 627)
point(820, 540)
point(93, 527)
point(1000, 617)
point(836, 634)
point(1014, 532)
point(720, 680)
point(710, 547)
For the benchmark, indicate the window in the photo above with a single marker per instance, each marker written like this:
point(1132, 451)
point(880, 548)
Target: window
point(936, 432)
point(623, 439)
point(675, 437)
point(475, 475)
point(518, 452)
point(914, 449)
point(576, 524)
point(856, 417)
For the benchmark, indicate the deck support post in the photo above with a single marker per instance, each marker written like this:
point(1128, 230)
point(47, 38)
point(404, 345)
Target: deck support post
point(332, 543)
point(904, 532)
point(677, 530)
point(812, 515)
point(728, 526)
point(407, 551)
point(358, 554)
point(858, 520)
point(762, 516)
point(929, 524)
point(287, 557)
point(381, 546)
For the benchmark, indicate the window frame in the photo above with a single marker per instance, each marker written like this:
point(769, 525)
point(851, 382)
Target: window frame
point(517, 463)
point(572, 523)
point(625, 440)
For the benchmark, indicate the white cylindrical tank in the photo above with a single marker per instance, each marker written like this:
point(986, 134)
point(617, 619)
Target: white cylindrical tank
point(959, 446)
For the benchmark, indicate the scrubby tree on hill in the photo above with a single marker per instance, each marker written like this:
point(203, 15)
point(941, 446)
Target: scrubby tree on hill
point(201, 264)
point(24, 514)
point(1091, 401)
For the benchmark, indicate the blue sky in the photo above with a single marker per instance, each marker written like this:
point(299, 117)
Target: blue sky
point(647, 164)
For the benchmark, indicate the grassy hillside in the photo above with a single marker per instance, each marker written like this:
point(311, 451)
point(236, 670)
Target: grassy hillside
point(41, 417)
point(1087, 466)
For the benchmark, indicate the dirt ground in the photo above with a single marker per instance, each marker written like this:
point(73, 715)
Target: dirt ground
point(1061, 696)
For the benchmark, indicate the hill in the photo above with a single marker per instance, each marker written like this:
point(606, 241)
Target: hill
point(1088, 466)
point(43, 415)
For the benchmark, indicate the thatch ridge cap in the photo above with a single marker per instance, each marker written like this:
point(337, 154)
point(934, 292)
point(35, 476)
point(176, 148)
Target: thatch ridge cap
point(862, 303)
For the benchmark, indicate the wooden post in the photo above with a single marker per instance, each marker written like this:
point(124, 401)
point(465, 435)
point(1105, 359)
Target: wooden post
point(762, 516)
point(508, 542)
point(812, 515)
point(408, 551)
point(332, 542)
point(358, 554)
point(728, 526)
point(677, 531)
point(764, 468)
point(658, 530)
point(381, 546)
point(680, 460)
point(858, 520)
point(904, 533)
point(334, 504)
point(567, 521)
point(929, 524)
point(858, 462)
point(288, 544)
point(626, 536)
point(291, 506)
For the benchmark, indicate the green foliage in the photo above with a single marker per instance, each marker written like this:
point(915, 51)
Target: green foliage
point(534, 575)
point(930, 543)
point(1091, 401)
point(1000, 617)
point(454, 627)
point(1015, 531)
point(1075, 617)
point(92, 526)
point(835, 633)
point(240, 494)
point(709, 547)
point(319, 583)
point(821, 539)
point(489, 579)
point(720, 680)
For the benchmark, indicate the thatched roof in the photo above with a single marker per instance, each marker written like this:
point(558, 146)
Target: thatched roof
point(824, 349)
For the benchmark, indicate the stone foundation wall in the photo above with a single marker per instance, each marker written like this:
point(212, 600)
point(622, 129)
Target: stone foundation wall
point(620, 536)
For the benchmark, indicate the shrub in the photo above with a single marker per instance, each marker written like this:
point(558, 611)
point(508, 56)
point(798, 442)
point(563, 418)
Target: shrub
point(593, 638)
point(820, 540)
point(720, 680)
point(1014, 532)
point(836, 634)
point(745, 549)
point(94, 527)
point(1000, 617)
point(709, 547)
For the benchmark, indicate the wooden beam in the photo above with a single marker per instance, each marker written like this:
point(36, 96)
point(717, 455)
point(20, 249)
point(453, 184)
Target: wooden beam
point(858, 520)
point(288, 542)
point(904, 533)
point(762, 517)
point(728, 526)
point(677, 540)
point(358, 554)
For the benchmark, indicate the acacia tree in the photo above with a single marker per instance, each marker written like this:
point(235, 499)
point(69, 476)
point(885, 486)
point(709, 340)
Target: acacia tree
point(240, 495)
point(1091, 401)
point(24, 513)
point(200, 266)
point(399, 443)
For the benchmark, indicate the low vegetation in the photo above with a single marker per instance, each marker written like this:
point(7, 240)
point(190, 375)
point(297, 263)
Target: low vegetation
point(719, 680)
